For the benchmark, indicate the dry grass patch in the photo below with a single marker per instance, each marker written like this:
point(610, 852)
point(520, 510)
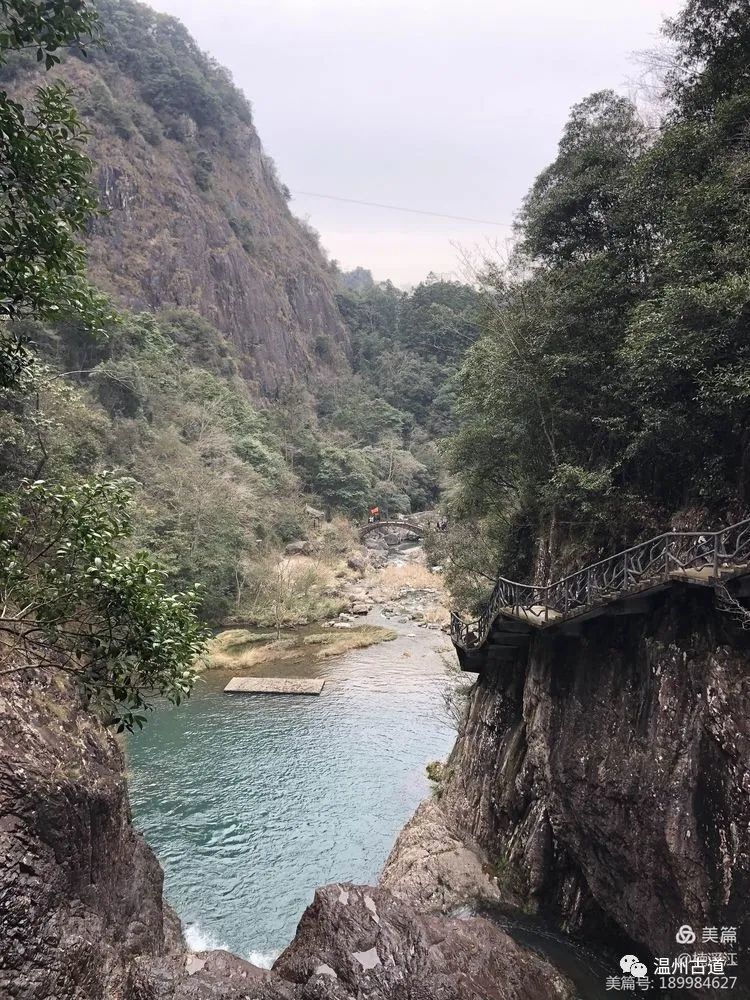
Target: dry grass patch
point(392, 579)
point(240, 649)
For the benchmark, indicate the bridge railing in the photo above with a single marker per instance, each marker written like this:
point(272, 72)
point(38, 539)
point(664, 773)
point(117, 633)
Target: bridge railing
point(707, 552)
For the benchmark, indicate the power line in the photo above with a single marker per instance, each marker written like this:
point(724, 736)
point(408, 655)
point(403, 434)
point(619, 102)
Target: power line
point(400, 208)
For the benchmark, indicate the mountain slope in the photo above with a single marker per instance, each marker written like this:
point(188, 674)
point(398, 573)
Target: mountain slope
point(196, 216)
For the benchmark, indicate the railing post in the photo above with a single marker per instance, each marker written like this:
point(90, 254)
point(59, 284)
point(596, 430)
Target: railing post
point(716, 556)
point(625, 571)
point(589, 596)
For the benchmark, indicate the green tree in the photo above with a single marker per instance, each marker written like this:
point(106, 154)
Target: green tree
point(688, 346)
point(72, 602)
point(440, 319)
point(579, 206)
point(45, 197)
point(610, 390)
point(713, 47)
point(542, 398)
point(340, 479)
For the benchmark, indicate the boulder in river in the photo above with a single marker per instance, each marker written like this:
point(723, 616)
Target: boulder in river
point(375, 540)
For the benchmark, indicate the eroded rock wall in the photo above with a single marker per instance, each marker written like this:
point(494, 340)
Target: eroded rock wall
point(80, 891)
point(608, 775)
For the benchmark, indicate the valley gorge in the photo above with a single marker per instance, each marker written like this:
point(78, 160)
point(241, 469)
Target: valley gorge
point(195, 469)
point(596, 781)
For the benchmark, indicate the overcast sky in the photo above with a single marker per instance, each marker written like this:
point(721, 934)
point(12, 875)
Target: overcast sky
point(449, 106)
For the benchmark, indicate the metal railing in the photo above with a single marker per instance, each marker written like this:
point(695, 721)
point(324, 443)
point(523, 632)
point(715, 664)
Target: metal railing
point(652, 561)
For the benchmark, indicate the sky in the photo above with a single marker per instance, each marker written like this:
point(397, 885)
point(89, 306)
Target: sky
point(445, 106)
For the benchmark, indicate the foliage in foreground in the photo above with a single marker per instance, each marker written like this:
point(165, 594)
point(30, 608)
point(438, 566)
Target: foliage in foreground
point(70, 599)
point(72, 602)
point(45, 197)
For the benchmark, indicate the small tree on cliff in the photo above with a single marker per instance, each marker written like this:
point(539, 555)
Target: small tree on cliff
point(71, 602)
point(45, 196)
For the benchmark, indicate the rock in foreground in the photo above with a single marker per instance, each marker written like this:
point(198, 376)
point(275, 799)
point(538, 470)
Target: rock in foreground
point(435, 867)
point(357, 941)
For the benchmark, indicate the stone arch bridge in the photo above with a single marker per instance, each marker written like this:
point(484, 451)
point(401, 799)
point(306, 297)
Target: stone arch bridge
point(410, 526)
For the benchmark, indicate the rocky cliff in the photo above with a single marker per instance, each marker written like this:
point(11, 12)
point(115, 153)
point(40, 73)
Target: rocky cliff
point(608, 774)
point(196, 216)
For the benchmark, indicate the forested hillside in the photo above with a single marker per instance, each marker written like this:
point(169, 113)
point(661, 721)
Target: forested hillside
point(247, 381)
point(609, 396)
point(222, 479)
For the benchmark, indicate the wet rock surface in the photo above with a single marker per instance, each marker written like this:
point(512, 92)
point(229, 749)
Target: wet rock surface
point(607, 775)
point(433, 866)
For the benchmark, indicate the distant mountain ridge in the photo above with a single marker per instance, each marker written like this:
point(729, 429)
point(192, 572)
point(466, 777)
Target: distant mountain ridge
point(196, 215)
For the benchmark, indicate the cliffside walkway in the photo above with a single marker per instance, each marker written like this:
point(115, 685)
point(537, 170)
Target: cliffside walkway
point(377, 525)
point(616, 585)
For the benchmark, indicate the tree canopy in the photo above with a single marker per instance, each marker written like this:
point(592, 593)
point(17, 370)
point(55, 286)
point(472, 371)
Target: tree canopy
point(609, 395)
point(45, 197)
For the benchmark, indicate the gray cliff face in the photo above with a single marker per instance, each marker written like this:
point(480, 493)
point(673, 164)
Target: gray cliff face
point(166, 243)
point(608, 775)
point(80, 891)
point(226, 246)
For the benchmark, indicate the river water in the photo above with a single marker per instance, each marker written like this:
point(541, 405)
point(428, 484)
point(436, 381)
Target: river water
point(250, 802)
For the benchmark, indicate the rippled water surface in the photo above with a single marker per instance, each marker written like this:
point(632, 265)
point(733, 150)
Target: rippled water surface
point(250, 802)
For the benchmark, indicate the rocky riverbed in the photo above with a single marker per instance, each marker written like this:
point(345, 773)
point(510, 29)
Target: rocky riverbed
point(392, 575)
